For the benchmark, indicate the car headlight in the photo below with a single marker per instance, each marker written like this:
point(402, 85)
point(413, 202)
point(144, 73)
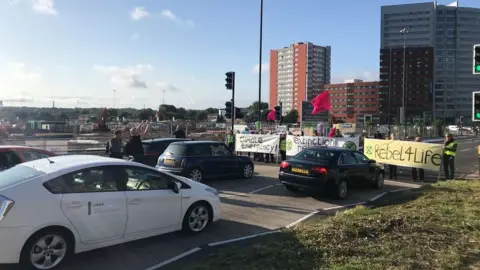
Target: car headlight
point(212, 190)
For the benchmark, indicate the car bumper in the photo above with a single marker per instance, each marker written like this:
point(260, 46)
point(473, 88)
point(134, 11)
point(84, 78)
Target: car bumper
point(12, 240)
point(217, 209)
point(300, 181)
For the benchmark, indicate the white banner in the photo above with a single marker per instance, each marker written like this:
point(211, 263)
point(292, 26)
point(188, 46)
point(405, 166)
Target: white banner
point(257, 143)
point(295, 144)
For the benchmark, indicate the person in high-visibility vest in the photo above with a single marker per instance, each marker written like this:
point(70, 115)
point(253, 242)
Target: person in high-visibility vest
point(449, 153)
point(231, 140)
point(283, 147)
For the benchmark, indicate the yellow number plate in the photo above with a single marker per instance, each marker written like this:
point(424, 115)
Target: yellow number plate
point(298, 170)
point(168, 161)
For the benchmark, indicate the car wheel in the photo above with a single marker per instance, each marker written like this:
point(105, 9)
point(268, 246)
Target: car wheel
point(46, 250)
point(379, 181)
point(291, 188)
point(196, 175)
point(247, 171)
point(197, 218)
point(341, 190)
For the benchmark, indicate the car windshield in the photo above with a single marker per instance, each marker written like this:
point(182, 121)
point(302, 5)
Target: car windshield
point(17, 174)
point(323, 156)
point(176, 149)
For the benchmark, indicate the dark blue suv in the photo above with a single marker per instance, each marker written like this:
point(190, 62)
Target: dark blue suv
point(198, 160)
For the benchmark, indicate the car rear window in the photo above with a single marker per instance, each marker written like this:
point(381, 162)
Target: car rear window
point(176, 149)
point(323, 156)
point(17, 174)
point(154, 147)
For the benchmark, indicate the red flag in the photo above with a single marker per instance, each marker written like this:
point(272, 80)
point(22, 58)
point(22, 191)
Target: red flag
point(332, 132)
point(271, 116)
point(321, 103)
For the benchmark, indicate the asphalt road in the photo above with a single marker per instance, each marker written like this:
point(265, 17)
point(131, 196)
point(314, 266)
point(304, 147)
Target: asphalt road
point(249, 207)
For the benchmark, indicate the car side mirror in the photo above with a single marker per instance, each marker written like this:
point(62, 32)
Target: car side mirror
point(176, 186)
point(372, 161)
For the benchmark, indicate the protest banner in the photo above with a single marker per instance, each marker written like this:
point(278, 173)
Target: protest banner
point(295, 144)
point(407, 154)
point(257, 143)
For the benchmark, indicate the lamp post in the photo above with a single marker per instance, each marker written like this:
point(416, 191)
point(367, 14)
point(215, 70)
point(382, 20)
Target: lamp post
point(260, 62)
point(404, 32)
point(114, 97)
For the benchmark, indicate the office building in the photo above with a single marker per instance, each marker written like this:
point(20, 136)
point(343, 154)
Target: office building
point(452, 31)
point(354, 100)
point(417, 96)
point(297, 73)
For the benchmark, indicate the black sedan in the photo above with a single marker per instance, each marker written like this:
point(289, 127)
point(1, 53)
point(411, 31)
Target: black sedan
point(331, 170)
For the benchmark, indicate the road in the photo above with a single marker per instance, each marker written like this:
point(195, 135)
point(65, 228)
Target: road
point(249, 207)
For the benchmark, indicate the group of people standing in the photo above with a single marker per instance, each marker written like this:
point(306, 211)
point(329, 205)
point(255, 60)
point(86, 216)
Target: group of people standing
point(448, 158)
point(133, 147)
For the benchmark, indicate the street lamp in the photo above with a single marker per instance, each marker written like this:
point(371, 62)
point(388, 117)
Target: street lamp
point(260, 62)
point(404, 32)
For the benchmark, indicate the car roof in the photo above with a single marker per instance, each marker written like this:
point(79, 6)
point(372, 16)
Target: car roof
point(195, 142)
point(152, 141)
point(19, 147)
point(75, 162)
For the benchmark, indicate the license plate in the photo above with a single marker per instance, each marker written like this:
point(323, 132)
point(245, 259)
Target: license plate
point(168, 161)
point(298, 170)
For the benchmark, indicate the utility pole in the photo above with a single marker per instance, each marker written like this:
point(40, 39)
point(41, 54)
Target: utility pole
point(114, 97)
point(260, 63)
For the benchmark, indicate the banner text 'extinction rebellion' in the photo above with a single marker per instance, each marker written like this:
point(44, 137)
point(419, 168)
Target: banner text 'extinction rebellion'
point(407, 154)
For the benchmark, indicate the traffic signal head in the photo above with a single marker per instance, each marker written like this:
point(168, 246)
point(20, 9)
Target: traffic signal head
point(230, 80)
point(278, 113)
point(476, 107)
point(228, 110)
point(238, 113)
point(476, 59)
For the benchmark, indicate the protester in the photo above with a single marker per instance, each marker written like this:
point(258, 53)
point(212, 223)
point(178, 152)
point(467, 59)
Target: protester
point(231, 140)
point(283, 147)
point(114, 145)
point(269, 157)
point(179, 133)
point(338, 134)
point(377, 135)
point(449, 153)
point(134, 145)
point(315, 133)
point(418, 138)
point(392, 169)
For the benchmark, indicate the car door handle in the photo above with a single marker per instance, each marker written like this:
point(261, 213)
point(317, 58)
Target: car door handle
point(135, 201)
point(75, 205)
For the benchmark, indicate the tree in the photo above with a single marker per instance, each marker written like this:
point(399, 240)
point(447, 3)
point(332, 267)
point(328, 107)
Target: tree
point(125, 115)
point(291, 117)
point(112, 112)
point(211, 110)
point(220, 119)
point(202, 116)
point(146, 114)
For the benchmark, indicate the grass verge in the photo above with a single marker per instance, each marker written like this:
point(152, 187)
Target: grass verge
point(433, 227)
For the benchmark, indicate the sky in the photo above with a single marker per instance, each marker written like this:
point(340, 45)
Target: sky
point(139, 53)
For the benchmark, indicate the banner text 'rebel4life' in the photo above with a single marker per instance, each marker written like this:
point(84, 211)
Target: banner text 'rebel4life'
point(257, 143)
point(408, 154)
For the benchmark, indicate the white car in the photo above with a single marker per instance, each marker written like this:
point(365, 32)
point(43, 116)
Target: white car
point(52, 208)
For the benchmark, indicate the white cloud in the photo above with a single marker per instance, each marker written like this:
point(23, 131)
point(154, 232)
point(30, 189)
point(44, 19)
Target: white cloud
point(365, 75)
point(22, 72)
point(134, 36)
point(169, 15)
point(127, 76)
point(265, 68)
point(139, 13)
point(44, 6)
point(167, 87)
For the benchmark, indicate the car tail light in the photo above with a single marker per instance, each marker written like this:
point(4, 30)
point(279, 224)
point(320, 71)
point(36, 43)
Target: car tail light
point(319, 170)
point(179, 163)
point(284, 165)
point(5, 205)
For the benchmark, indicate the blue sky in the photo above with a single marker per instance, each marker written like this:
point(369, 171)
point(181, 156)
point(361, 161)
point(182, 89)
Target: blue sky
point(77, 51)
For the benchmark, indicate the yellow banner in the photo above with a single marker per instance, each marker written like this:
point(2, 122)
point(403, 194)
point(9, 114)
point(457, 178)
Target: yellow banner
point(408, 154)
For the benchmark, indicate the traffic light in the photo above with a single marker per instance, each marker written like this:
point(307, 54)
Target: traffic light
point(476, 107)
point(238, 113)
point(278, 113)
point(228, 110)
point(230, 80)
point(476, 59)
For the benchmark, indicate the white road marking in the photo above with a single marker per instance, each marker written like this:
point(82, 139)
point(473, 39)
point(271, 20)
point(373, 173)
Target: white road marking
point(242, 238)
point(465, 150)
point(176, 258)
point(302, 219)
point(378, 196)
point(245, 194)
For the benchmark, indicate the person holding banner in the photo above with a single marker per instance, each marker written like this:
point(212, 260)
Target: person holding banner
point(392, 169)
point(449, 153)
point(414, 170)
point(231, 140)
point(283, 146)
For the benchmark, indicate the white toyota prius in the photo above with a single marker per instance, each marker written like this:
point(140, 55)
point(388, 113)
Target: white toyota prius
point(52, 208)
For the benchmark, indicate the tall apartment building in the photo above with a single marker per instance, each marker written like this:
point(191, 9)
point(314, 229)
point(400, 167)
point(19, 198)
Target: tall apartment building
point(452, 31)
point(297, 73)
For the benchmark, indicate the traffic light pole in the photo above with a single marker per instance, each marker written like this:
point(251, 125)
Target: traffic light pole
point(233, 102)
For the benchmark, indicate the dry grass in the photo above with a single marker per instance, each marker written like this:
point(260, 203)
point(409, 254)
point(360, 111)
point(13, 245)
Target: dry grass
point(434, 227)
